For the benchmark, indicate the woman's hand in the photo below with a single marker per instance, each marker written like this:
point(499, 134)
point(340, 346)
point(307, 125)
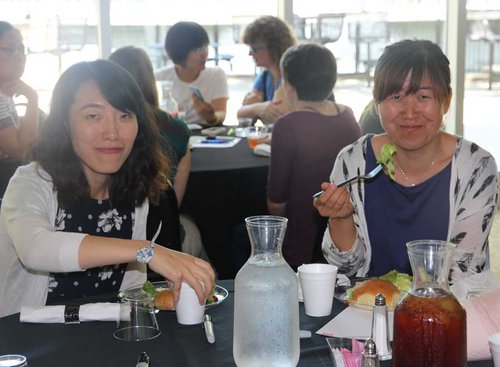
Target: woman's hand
point(180, 267)
point(271, 111)
point(334, 203)
point(19, 88)
point(252, 97)
point(210, 113)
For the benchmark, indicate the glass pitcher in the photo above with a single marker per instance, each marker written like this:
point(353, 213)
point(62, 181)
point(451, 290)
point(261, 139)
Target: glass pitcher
point(430, 323)
point(266, 306)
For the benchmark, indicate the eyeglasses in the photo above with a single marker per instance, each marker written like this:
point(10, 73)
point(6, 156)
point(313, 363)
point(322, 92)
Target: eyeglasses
point(254, 50)
point(14, 51)
point(202, 49)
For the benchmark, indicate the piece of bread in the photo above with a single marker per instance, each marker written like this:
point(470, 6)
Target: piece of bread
point(164, 300)
point(365, 292)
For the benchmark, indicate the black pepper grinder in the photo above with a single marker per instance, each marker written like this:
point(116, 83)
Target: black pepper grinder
point(370, 356)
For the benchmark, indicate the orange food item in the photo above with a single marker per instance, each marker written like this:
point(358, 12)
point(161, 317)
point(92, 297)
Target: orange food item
point(164, 300)
point(365, 292)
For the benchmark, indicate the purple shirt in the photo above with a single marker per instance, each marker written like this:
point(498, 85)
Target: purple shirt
point(303, 150)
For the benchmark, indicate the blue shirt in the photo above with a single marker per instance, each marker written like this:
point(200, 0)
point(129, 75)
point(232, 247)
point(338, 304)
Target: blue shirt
point(265, 84)
point(396, 214)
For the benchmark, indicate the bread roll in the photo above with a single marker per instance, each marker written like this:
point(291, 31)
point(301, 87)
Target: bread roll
point(365, 292)
point(164, 300)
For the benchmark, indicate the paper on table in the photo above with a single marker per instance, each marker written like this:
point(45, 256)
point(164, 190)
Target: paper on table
point(197, 142)
point(353, 322)
point(55, 314)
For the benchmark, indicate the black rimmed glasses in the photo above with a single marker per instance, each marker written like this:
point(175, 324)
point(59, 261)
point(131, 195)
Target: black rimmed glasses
point(14, 51)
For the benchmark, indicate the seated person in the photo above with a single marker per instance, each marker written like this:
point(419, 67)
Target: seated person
point(369, 120)
point(268, 38)
point(175, 143)
point(79, 210)
point(187, 45)
point(304, 146)
point(16, 134)
point(442, 186)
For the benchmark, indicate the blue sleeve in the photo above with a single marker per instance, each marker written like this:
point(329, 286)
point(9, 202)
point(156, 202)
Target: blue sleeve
point(259, 82)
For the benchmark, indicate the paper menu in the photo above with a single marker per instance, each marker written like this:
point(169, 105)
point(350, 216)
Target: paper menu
point(353, 322)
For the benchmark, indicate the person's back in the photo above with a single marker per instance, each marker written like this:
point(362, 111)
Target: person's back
point(304, 147)
point(305, 143)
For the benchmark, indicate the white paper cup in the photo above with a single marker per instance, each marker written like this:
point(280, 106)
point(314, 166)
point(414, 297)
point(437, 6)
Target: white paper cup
point(494, 341)
point(318, 286)
point(188, 309)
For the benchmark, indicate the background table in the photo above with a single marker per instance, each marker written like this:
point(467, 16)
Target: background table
point(225, 186)
point(93, 344)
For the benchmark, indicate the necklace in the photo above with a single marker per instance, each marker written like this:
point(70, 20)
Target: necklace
point(407, 179)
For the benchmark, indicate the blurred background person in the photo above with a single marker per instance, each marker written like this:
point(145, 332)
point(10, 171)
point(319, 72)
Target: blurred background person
point(304, 146)
point(175, 144)
point(187, 44)
point(16, 134)
point(268, 38)
point(369, 121)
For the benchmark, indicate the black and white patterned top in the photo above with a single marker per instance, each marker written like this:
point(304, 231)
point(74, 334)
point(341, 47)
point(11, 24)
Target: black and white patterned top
point(99, 218)
point(473, 197)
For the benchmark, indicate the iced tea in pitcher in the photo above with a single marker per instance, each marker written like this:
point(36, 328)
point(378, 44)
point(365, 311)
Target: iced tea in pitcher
point(430, 323)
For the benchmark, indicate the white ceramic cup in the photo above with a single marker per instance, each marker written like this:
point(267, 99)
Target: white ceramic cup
point(188, 309)
point(494, 341)
point(318, 286)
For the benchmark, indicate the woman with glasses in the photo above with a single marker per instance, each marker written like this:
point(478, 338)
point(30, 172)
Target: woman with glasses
point(268, 38)
point(187, 45)
point(16, 134)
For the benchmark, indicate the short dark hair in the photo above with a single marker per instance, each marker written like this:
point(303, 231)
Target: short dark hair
point(136, 61)
point(5, 27)
point(182, 38)
point(418, 57)
point(271, 32)
point(311, 69)
point(144, 173)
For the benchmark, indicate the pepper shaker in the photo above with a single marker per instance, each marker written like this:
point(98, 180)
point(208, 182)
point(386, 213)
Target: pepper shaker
point(370, 356)
point(380, 328)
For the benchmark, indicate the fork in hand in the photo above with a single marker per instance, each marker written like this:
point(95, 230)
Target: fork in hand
point(368, 176)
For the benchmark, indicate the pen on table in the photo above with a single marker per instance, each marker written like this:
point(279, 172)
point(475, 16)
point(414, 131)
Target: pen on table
point(143, 360)
point(305, 334)
point(209, 329)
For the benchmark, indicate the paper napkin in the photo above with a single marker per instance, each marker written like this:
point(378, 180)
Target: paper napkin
point(64, 314)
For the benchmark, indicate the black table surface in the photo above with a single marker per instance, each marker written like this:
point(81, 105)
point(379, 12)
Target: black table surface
point(93, 344)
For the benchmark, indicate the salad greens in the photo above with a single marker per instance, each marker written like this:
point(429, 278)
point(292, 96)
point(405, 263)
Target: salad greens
point(401, 280)
point(150, 289)
point(385, 159)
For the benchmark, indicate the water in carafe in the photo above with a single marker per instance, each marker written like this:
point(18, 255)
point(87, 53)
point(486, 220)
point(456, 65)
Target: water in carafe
point(168, 103)
point(266, 309)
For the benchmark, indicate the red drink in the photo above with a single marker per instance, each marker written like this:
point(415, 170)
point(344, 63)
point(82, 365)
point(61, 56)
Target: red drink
point(429, 331)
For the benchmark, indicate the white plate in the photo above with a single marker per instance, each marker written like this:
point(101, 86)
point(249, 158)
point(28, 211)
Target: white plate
point(220, 293)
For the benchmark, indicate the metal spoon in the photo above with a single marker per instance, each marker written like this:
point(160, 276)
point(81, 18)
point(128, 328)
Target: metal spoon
point(368, 176)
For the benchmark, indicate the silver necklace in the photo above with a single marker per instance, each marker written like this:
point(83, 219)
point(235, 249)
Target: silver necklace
point(406, 176)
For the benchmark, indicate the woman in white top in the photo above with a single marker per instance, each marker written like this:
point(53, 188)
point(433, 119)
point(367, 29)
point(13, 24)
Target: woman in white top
point(187, 45)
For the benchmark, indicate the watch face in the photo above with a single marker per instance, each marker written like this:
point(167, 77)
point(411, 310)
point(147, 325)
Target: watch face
point(145, 254)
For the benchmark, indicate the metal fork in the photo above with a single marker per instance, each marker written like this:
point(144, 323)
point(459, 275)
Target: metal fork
point(368, 176)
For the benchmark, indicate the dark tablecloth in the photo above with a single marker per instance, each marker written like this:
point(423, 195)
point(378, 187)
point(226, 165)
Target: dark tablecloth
point(225, 186)
point(93, 344)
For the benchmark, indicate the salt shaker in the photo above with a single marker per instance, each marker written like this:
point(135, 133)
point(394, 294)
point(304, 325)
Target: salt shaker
point(380, 328)
point(370, 356)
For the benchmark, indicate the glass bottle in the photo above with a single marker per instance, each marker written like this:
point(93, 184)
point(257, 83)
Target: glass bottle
point(430, 323)
point(168, 103)
point(266, 307)
point(370, 355)
point(380, 328)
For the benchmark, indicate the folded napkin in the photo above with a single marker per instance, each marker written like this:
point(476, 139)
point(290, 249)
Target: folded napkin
point(354, 323)
point(71, 314)
point(474, 284)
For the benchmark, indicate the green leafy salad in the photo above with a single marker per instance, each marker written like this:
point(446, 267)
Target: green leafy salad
point(385, 159)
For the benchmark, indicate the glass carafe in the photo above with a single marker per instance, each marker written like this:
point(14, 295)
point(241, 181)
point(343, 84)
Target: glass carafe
point(266, 307)
point(430, 323)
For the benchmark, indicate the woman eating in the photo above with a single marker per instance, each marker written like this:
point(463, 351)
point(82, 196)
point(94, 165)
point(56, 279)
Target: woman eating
point(442, 187)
